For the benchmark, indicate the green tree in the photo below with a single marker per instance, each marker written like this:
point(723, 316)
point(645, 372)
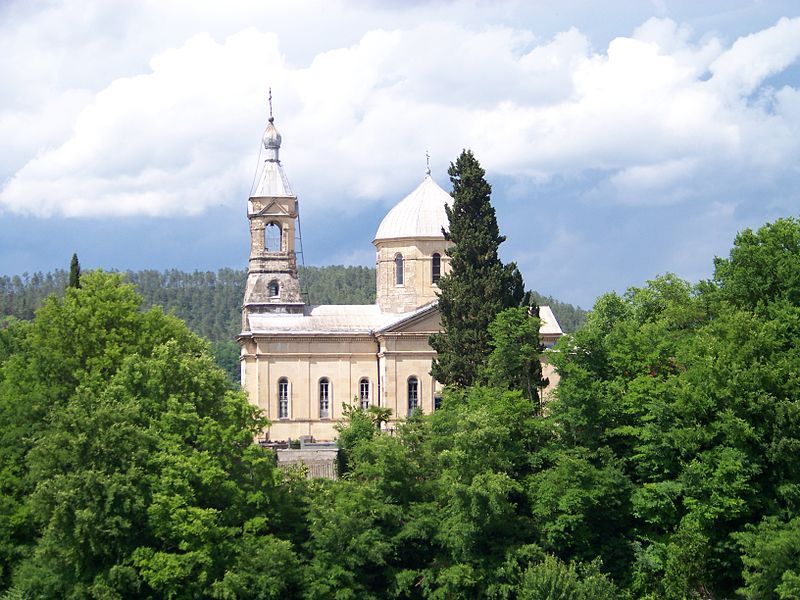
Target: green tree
point(763, 266)
point(551, 579)
point(356, 427)
point(74, 272)
point(129, 468)
point(478, 285)
point(771, 556)
point(516, 349)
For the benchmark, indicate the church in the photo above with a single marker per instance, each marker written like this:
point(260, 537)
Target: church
point(300, 363)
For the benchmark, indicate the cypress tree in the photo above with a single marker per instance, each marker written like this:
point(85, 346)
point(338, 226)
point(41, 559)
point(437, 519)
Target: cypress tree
point(74, 272)
point(478, 285)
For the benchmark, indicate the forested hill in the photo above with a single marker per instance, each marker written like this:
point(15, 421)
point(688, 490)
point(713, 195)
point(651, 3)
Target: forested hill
point(210, 302)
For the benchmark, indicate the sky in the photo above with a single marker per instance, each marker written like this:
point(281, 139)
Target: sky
point(622, 139)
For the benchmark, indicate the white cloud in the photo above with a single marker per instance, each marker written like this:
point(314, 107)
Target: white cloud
point(753, 58)
point(175, 134)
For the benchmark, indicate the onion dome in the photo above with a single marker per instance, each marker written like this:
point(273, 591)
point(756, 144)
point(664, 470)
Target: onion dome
point(272, 181)
point(421, 214)
point(272, 140)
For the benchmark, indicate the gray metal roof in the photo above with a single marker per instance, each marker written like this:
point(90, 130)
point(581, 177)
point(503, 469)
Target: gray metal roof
point(272, 180)
point(356, 319)
point(421, 214)
point(331, 318)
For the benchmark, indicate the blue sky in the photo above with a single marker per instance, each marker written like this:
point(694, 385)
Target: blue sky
point(621, 142)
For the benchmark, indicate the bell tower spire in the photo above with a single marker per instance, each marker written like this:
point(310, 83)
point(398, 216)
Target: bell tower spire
point(272, 281)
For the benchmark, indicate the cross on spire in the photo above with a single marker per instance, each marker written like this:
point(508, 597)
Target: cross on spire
point(428, 163)
point(271, 119)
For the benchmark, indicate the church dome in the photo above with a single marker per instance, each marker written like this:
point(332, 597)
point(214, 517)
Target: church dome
point(271, 139)
point(421, 214)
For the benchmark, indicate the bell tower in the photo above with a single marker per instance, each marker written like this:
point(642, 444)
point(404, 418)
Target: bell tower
point(272, 282)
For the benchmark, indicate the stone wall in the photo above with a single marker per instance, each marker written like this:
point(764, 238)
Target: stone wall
point(417, 288)
point(318, 463)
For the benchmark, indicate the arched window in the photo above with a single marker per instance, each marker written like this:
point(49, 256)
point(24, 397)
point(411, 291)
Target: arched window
point(436, 268)
point(324, 398)
point(274, 289)
point(363, 393)
point(283, 398)
point(272, 237)
point(413, 394)
point(398, 269)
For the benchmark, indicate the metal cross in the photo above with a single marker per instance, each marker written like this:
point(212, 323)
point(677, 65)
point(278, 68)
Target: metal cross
point(270, 104)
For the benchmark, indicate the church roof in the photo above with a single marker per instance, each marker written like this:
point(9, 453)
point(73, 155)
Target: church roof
point(356, 319)
point(332, 319)
point(421, 214)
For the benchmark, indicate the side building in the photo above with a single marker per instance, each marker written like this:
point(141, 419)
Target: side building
point(300, 363)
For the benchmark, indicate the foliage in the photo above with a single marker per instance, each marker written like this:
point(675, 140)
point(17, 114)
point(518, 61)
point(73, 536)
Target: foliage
point(551, 579)
point(226, 355)
point(514, 362)
point(771, 557)
point(763, 266)
point(668, 465)
point(693, 391)
point(478, 285)
point(128, 465)
point(570, 317)
point(74, 272)
point(355, 427)
point(209, 302)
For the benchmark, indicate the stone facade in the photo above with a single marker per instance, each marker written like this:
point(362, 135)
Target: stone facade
point(417, 287)
point(272, 282)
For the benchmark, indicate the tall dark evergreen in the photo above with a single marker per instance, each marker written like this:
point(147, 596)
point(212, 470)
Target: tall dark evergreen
point(478, 285)
point(74, 272)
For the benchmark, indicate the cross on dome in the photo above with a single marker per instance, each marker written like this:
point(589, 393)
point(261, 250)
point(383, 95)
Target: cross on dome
point(271, 118)
point(271, 139)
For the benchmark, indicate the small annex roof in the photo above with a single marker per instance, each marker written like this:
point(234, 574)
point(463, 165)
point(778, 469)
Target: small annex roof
point(421, 214)
point(549, 324)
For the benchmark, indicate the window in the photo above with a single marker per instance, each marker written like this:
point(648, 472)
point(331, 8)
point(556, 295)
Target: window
point(413, 394)
point(283, 398)
point(437, 402)
point(274, 289)
point(436, 268)
point(272, 237)
point(398, 269)
point(363, 393)
point(324, 398)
